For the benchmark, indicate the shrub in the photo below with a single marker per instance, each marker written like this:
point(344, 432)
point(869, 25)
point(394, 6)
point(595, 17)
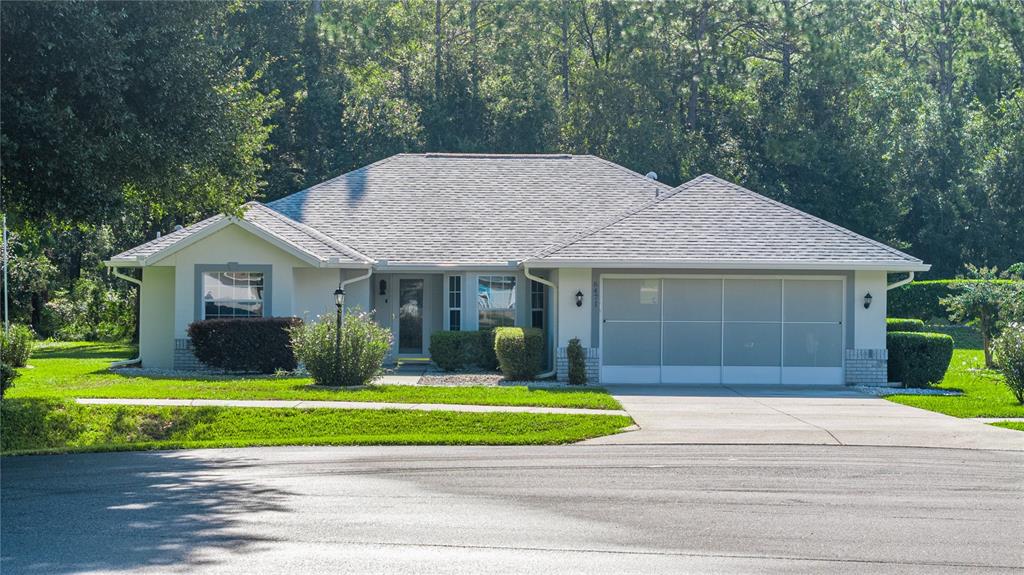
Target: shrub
point(16, 345)
point(903, 324)
point(90, 311)
point(920, 299)
point(261, 345)
point(1008, 349)
point(577, 362)
point(7, 375)
point(364, 345)
point(520, 351)
point(455, 350)
point(918, 359)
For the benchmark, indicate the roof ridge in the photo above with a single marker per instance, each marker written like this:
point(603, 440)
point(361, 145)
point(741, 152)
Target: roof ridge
point(625, 169)
point(313, 232)
point(812, 217)
point(486, 155)
point(616, 218)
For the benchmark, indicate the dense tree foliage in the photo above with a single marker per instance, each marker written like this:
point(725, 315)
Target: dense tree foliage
point(900, 119)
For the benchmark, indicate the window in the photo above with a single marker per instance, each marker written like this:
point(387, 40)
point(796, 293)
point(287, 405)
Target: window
point(496, 300)
point(232, 294)
point(537, 304)
point(455, 303)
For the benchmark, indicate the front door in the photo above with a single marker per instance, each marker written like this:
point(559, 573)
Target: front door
point(410, 316)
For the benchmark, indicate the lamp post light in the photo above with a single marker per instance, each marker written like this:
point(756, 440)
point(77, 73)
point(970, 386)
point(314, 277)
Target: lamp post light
point(339, 303)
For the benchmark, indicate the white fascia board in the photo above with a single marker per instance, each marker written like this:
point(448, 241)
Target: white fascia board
point(732, 265)
point(123, 263)
point(383, 266)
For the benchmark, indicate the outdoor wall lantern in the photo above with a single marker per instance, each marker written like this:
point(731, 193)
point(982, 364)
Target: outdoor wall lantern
point(867, 300)
point(383, 287)
point(579, 299)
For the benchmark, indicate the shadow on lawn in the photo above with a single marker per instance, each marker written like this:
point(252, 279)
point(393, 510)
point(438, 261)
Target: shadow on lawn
point(91, 350)
point(125, 511)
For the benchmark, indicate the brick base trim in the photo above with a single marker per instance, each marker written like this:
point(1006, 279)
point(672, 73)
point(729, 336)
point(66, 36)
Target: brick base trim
point(592, 359)
point(185, 358)
point(867, 367)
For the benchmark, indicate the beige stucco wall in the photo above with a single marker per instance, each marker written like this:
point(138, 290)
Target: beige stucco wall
point(573, 321)
point(231, 244)
point(869, 324)
point(156, 316)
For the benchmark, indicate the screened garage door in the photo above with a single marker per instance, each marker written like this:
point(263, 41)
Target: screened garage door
point(722, 330)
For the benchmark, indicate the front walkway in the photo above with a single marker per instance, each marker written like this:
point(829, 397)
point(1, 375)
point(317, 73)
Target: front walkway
point(765, 414)
point(275, 403)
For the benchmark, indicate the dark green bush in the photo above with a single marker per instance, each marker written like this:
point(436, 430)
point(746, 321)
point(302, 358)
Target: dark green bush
point(261, 345)
point(455, 350)
point(7, 375)
point(520, 351)
point(577, 362)
point(918, 359)
point(903, 324)
point(16, 345)
point(920, 300)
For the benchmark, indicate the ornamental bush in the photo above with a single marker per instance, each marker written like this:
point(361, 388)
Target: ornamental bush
point(364, 346)
point(520, 351)
point(903, 324)
point(577, 362)
point(7, 375)
point(255, 344)
point(455, 350)
point(1008, 350)
point(16, 345)
point(918, 359)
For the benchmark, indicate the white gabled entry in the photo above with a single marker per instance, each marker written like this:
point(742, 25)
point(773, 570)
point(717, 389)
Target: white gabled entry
point(722, 329)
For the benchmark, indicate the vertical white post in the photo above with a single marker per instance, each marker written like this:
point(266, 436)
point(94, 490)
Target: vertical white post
point(7, 319)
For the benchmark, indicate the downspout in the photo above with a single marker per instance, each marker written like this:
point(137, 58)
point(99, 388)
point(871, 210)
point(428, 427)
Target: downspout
point(344, 283)
point(129, 279)
point(902, 282)
point(554, 338)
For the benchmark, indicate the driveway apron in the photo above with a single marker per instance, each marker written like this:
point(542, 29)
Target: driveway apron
point(804, 415)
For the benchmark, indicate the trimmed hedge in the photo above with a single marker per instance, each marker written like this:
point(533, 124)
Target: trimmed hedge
point(16, 345)
point(455, 350)
point(918, 359)
point(520, 351)
point(920, 299)
point(903, 324)
point(7, 376)
point(258, 344)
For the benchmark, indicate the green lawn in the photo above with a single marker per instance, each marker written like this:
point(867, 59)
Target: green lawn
point(79, 369)
point(985, 394)
point(54, 425)
point(1018, 425)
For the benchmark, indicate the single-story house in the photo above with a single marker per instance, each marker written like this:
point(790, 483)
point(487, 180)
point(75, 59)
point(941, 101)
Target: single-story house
point(705, 282)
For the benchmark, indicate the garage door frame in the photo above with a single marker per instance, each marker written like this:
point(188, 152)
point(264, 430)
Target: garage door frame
point(651, 374)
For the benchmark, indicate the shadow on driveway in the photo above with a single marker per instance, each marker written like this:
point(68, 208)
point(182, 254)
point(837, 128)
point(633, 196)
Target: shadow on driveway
point(144, 510)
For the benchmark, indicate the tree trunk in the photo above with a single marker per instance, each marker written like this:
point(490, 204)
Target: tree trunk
point(565, 53)
point(437, 49)
point(474, 62)
point(311, 72)
point(787, 43)
point(986, 341)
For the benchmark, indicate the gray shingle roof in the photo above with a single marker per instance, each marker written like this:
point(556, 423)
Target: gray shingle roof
point(466, 208)
point(709, 221)
point(294, 235)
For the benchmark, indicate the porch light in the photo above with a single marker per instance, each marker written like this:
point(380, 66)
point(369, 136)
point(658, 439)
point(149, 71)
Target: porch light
point(339, 297)
point(867, 300)
point(579, 299)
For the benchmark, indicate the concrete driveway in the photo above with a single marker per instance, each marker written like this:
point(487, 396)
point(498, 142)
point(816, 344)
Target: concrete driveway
point(813, 415)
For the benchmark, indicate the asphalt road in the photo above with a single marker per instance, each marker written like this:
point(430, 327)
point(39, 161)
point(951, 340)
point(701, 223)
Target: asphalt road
point(571, 509)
